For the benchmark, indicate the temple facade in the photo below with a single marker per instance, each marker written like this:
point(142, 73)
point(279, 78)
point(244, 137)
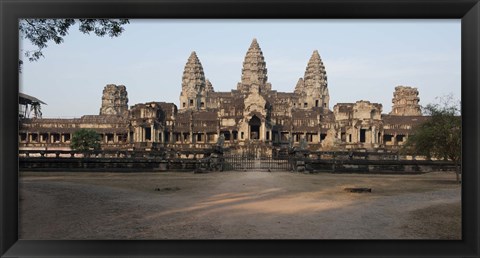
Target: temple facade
point(253, 115)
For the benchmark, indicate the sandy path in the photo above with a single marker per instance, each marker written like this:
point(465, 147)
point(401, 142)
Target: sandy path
point(238, 205)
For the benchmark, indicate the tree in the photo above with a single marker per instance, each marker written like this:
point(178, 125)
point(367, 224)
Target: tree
point(85, 140)
point(40, 31)
point(440, 136)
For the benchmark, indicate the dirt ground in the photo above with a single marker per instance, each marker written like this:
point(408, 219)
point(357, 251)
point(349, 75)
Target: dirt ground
point(238, 205)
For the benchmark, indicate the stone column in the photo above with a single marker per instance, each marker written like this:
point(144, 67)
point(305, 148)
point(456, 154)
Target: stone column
point(261, 132)
point(152, 133)
point(374, 135)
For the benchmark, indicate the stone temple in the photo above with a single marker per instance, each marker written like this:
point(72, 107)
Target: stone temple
point(253, 115)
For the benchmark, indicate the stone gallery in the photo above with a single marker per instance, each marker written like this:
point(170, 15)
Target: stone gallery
point(252, 115)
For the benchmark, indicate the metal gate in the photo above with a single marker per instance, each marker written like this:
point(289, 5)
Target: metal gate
point(252, 163)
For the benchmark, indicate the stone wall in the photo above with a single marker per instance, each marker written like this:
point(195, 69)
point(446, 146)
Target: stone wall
point(405, 102)
point(114, 100)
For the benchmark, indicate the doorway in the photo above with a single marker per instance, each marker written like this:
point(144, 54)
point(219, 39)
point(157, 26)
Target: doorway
point(255, 124)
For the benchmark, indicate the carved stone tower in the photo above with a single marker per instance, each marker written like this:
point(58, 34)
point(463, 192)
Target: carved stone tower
point(208, 86)
point(114, 100)
point(405, 102)
point(254, 70)
point(194, 85)
point(312, 89)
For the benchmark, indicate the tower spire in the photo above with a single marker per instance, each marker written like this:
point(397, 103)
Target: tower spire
point(313, 89)
point(315, 74)
point(193, 83)
point(254, 69)
point(193, 75)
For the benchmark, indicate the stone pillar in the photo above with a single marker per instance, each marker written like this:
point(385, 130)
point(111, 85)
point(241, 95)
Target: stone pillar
point(264, 132)
point(374, 135)
point(152, 134)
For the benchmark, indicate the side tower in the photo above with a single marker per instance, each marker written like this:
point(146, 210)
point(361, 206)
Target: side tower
point(405, 102)
point(194, 86)
point(254, 70)
point(312, 90)
point(114, 100)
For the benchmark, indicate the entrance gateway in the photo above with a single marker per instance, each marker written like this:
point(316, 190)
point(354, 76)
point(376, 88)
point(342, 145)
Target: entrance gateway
point(255, 124)
point(263, 163)
point(254, 160)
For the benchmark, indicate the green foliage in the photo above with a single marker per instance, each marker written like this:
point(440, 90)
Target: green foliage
point(440, 136)
point(85, 140)
point(40, 31)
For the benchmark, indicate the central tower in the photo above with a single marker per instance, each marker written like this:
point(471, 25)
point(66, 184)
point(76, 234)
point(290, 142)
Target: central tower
point(254, 70)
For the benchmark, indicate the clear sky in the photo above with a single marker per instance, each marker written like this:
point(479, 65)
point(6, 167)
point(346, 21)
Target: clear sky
point(364, 60)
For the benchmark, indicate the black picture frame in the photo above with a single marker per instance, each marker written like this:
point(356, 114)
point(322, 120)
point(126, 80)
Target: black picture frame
point(466, 10)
